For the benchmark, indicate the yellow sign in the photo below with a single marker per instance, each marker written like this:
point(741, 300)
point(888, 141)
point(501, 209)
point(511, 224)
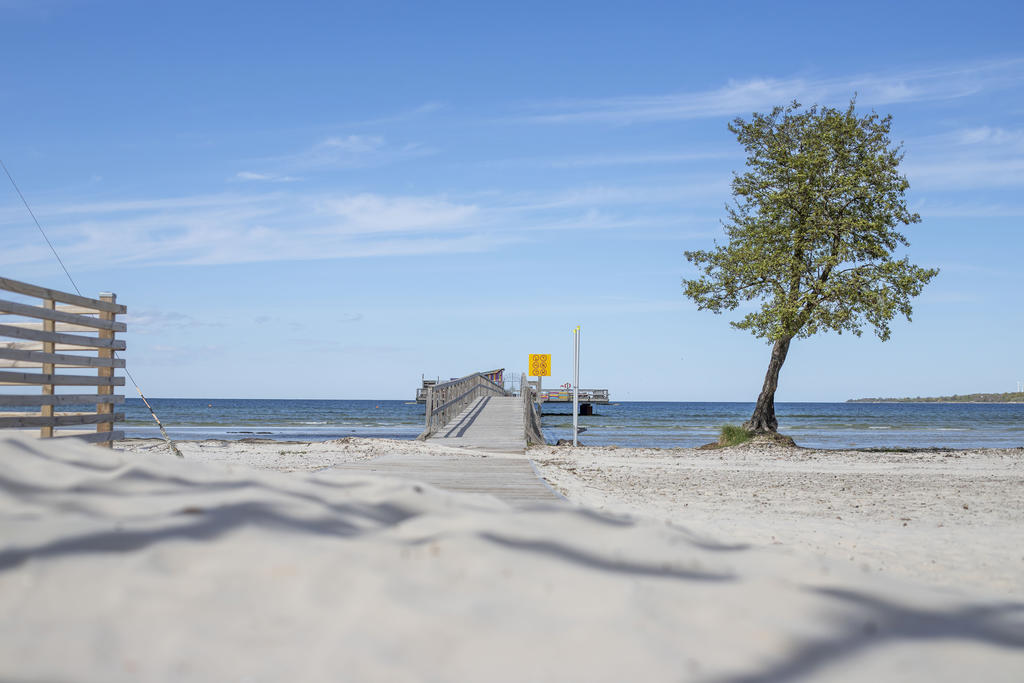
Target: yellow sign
point(540, 365)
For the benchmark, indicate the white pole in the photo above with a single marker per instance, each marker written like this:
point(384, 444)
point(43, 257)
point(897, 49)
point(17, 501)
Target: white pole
point(575, 385)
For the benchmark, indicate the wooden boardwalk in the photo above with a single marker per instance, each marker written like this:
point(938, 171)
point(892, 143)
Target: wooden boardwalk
point(492, 428)
point(511, 479)
point(492, 423)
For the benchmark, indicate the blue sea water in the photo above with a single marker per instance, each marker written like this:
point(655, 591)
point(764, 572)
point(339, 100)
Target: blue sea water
point(634, 423)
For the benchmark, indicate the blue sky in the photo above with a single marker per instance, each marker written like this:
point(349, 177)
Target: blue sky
point(325, 200)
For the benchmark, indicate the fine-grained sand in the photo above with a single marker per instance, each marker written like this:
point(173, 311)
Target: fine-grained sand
point(951, 518)
point(135, 565)
point(947, 518)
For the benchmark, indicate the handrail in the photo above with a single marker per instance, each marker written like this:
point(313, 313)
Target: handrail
point(445, 401)
point(531, 420)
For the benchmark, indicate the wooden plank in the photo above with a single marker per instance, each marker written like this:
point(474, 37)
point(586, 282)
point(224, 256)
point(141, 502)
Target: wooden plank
point(57, 399)
point(60, 327)
point(57, 295)
point(492, 423)
point(46, 313)
point(66, 360)
point(77, 310)
point(510, 479)
point(8, 377)
point(94, 437)
point(38, 346)
point(60, 338)
point(61, 420)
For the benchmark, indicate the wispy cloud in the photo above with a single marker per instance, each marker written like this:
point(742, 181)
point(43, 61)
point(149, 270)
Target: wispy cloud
point(268, 227)
point(966, 173)
point(333, 153)
point(743, 96)
point(637, 159)
point(293, 226)
point(267, 177)
point(371, 213)
point(973, 158)
point(155, 321)
point(416, 112)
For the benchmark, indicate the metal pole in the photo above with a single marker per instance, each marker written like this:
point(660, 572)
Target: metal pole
point(575, 385)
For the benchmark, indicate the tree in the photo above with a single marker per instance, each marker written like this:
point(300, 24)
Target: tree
point(812, 234)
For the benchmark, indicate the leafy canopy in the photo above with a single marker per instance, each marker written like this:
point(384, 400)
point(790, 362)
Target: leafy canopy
point(813, 227)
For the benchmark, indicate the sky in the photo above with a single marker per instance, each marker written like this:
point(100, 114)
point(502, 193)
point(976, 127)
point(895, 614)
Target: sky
point(332, 200)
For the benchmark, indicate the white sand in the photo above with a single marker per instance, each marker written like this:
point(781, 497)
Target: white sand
point(139, 566)
point(946, 518)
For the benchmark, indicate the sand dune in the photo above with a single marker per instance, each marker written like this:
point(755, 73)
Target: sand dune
point(139, 566)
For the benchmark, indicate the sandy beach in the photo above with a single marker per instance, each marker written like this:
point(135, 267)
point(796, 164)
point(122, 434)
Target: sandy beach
point(262, 561)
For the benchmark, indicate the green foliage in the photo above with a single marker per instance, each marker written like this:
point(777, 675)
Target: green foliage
point(733, 436)
point(813, 228)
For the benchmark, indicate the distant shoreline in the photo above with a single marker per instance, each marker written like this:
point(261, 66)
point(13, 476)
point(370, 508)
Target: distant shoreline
point(925, 400)
point(1008, 397)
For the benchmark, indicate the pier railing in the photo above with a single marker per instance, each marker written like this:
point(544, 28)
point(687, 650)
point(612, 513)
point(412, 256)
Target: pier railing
point(531, 418)
point(34, 335)
point(445, 401)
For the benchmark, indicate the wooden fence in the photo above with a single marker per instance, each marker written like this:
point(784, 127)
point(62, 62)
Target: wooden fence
point(446, 400)
point(34, 335)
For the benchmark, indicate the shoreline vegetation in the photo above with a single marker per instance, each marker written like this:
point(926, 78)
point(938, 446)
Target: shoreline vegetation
point(1006, 397)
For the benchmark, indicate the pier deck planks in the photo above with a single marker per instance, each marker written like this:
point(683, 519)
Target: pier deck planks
point(492, 423)
point(493, 428)
point(510, 479)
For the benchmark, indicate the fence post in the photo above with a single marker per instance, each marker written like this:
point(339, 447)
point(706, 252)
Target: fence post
point(430, 406)
point(48, 369)
point(106, 408)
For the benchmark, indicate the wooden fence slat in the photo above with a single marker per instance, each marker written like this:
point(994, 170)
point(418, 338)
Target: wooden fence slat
point(57, 399)
point(14, 308)
point(60, 338)
point(94, 437)
point(59, 327)
point(60, 420)
point(64, 297)
point(8, 377)
point(78, 310)
point(38, 346)
point(62, 359)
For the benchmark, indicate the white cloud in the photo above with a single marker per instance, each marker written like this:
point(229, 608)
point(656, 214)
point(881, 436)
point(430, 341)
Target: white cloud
point(271, 177)
point(154, 321)
point(370, 213)
point(967, 159)
point(966, 173)
point(743, 97)
point(338, 152)
point(292, 226)
point(341, 152)
point(638, 159)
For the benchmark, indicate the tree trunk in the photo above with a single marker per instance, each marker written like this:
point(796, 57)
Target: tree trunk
point(763, 419)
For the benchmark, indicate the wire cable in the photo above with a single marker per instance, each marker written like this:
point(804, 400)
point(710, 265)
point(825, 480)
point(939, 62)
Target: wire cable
point(41, 231)
point(174, 449)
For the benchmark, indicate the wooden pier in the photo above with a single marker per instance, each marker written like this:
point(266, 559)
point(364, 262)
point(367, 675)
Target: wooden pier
point(494, 427)
point(478, 413)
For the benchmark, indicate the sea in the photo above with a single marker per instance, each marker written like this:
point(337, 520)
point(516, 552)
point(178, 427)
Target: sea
point(648, 424)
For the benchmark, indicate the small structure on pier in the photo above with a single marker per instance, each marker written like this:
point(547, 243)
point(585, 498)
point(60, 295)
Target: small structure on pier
point(587, 397)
